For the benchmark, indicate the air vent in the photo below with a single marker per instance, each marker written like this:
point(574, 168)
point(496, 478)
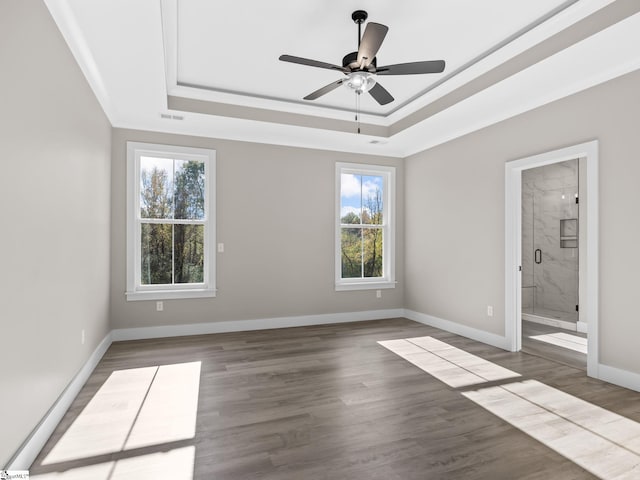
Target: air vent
point(168, 116)
point(377, 142)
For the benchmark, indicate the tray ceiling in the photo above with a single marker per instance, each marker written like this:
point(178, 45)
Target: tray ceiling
point(207, 68)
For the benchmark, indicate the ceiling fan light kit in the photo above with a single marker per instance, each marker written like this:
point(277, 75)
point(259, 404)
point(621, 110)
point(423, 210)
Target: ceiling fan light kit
point(361, 67)
point(359, 82)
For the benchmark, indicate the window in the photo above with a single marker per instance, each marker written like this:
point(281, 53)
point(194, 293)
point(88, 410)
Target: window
point(365, 226)
point(170, 222)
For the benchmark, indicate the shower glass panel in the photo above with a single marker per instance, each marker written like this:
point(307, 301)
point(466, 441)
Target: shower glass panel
point(550, 227)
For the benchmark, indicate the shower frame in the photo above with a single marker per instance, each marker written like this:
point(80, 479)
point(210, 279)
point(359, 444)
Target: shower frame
point(563, 312)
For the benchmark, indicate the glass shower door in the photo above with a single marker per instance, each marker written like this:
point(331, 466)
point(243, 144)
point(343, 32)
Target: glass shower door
point(550, 241)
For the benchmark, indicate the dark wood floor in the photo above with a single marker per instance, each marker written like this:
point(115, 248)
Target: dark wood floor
point(328, 402)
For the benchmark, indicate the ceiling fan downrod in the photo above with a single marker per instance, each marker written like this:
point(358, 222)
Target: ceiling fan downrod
point(359, 16)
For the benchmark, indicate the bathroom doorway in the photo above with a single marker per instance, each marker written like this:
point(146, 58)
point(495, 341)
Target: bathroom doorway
point(551, 255)
point(550, 232)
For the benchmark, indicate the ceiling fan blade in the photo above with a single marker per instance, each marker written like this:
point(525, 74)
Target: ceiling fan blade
point(412, 68)
point(380, 94)
point(324, 90)
point(311, 63)
point(370, 44)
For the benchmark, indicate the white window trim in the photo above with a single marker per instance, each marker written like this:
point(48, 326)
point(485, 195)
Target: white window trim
point(136, 291)
point(389, 228)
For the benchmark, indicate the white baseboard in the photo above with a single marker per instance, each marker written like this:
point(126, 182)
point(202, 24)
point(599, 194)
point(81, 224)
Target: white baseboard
point(30, 449)
point(141, 333)
point(459, 329)
point(617, 376)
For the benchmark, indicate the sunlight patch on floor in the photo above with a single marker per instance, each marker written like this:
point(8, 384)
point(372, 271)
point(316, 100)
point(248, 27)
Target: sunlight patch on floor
point(104, 424)
point(175, 464)
point(134, 408)
point(447, 363)
point(600, 441)
point(170, 409)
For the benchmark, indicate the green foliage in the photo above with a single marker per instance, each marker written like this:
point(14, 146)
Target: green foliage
point(189, 190)
point(351, 218)
point(172, 253)
point(351, 247)
point(156, 196)
point(361, 246)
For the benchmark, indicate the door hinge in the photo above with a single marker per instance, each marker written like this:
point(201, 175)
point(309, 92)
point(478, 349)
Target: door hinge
point(519, 268)
point(577, 308)
point(577, 200)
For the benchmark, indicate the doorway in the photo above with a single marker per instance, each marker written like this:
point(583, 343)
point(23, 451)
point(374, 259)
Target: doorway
point(581, 233)
point(550, 263)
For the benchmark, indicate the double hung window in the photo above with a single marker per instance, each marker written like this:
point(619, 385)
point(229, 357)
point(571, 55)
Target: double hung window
point(365, 226)
point(170, 222)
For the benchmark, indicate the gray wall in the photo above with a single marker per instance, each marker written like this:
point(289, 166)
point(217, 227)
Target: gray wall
point(55, 197)
point(454, 215)
point(275, 209)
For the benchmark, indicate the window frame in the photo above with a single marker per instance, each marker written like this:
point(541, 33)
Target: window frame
point(135, 289)
point(388, 280)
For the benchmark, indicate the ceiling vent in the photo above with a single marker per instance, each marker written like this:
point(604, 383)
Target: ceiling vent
point(168, 116)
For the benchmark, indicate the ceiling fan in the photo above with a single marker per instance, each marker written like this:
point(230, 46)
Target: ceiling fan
point(360, 68)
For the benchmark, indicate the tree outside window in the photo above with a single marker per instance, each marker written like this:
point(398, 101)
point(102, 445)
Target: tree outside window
point(362, 233)
point(171, 190)
point(170, 225)
point(364, 224)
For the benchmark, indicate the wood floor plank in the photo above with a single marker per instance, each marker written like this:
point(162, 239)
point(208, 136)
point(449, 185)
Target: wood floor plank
point(325, 402)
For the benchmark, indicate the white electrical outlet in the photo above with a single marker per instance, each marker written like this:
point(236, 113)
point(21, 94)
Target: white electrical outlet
point(159, 306)
point(82, 337)
point(221, 248)
point(489, 310)
point(378, 293)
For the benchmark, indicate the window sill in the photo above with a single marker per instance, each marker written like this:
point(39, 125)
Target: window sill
point(364, 286)
point(170, 294)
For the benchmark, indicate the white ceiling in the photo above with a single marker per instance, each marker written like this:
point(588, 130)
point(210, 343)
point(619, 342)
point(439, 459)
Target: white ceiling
point(218, 62)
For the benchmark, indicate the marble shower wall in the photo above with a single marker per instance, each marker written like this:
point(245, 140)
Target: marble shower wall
point(549, 196)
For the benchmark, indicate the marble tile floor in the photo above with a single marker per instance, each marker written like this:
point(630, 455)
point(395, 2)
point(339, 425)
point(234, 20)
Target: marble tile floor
point(551, 314)
point(564, 340)
point(602, 442)
point(555, 344)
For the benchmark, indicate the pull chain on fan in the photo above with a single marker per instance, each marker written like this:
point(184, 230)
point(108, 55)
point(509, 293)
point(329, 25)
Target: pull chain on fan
point(358, 111)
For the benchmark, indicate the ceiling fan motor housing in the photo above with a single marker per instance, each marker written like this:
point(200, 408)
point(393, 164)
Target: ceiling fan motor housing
point(351, 61)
